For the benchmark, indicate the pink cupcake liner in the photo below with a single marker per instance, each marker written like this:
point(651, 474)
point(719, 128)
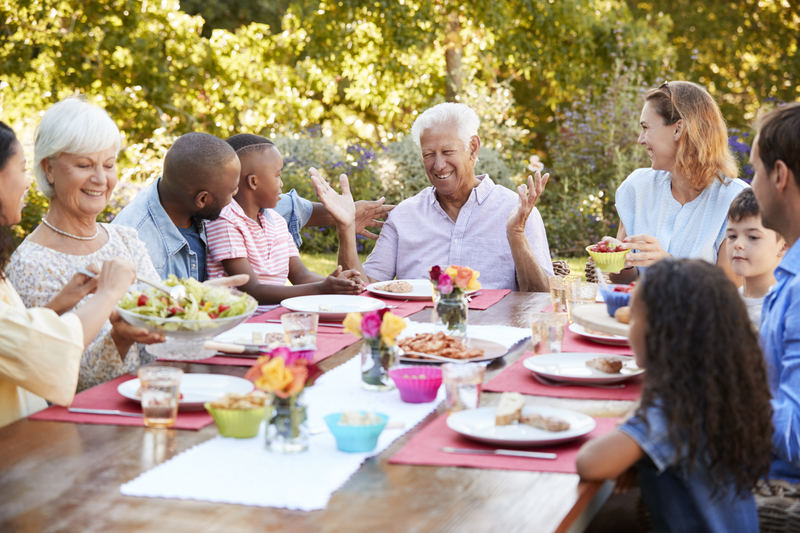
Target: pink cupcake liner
point(417, 390)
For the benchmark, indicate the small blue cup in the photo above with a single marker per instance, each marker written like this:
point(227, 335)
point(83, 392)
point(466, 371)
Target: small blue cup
point(355, 439)
point(614, 300)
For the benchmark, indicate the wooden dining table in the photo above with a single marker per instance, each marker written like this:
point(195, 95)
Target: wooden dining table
point(57, 476)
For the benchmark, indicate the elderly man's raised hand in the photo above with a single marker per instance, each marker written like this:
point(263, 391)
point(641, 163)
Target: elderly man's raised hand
point(528, 196)
point(340, 206)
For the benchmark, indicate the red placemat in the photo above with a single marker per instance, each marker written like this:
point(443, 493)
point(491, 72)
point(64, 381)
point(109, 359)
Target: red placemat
point(517, 378)
point(423, 449)
point(327, 344)
point(276, 313)
point(105, 396)
point(483, 301)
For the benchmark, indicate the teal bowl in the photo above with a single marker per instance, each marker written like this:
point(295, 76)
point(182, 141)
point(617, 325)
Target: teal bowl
point(355, 439)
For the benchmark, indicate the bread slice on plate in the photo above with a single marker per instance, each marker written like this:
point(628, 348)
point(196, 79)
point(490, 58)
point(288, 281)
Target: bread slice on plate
point(609, 365)
point(509, 409)
point(547, 423)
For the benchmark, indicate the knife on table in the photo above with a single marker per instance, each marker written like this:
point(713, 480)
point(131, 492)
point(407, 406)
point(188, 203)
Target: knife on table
point(103, 412)
point(227, 347)
point(512, 453)
point(327, 324)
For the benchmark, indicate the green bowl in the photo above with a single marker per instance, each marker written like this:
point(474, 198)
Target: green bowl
point(609, 261)
point(237, 423)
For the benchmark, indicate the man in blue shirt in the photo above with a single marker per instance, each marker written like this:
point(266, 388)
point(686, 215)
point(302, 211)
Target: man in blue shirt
point(775, 158)
point(170, 214)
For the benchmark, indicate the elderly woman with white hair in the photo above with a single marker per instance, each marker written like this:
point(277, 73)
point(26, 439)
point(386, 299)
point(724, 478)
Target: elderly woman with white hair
point(462, 219)
point(75, 152)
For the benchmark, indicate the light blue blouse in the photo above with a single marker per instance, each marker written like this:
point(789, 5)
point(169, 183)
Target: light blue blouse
point(694, 230)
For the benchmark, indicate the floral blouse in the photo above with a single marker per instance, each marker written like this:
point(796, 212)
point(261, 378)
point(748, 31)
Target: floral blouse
point(39, 273)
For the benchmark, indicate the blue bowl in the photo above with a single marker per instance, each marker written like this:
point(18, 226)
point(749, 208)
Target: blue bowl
point(355, 439)
point(614, 300)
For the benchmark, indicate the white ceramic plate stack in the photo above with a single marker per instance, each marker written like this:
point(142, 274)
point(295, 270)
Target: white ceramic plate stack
point(422, 290)
point(571, 368)
point(601, 338)
point(479, 424)
point(196, 389)
point(333, 306)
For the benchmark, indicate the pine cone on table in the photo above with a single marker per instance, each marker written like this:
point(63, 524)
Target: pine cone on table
point(591, 273)
point(560, 268)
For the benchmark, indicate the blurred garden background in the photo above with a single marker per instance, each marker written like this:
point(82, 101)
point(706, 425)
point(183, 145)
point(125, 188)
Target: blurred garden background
point(337, 85)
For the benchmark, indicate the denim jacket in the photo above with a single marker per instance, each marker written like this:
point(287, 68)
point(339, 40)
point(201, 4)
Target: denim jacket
point(168, 249)
point(296, 211)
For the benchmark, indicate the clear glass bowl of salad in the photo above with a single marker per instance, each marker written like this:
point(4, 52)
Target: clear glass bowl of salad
point(205, 313)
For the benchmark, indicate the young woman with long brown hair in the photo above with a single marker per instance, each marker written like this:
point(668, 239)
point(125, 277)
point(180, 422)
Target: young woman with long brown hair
point(679, 206)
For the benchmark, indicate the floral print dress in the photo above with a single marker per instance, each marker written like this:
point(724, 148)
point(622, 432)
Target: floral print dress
point(39, 273)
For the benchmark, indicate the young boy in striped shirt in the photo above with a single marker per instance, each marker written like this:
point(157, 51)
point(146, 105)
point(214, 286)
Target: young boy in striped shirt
point(249, 237)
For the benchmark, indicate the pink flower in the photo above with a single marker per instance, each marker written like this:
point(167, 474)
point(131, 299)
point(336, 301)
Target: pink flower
point(445, 284)
point(371, 325)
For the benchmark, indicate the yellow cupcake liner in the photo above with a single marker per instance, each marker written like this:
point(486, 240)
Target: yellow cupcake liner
point(238, 423)
point(611, 262)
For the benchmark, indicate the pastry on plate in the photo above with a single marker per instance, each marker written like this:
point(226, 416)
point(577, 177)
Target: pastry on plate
point(437, 344)
point(609, 365)
point(396, 286)
point(623, 314)
point(547, 423)
point(509, 409)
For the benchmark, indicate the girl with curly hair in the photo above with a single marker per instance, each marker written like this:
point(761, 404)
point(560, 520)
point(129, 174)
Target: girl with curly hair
point(701, 434)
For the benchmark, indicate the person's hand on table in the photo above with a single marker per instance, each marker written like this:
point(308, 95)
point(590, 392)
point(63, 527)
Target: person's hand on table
point(347, 282)
point(78, 287)
point(340, 206)
point(649, 251)
point(528, 196)
point(367, 213)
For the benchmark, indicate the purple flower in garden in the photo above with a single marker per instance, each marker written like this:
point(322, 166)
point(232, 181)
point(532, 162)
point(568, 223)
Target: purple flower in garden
point(445, 284)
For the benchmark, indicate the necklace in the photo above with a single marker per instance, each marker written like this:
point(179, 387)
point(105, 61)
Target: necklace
point(96, 233)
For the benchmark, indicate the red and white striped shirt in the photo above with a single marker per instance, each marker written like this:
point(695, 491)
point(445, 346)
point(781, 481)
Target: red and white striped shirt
point(268, 247)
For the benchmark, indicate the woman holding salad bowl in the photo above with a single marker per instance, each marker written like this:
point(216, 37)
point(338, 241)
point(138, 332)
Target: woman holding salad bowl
point(679, 206)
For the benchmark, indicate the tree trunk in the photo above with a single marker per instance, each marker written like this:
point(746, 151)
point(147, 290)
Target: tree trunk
point(453, 48)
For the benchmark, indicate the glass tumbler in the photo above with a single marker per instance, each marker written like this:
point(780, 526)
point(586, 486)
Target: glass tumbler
point(160, 393)
point(548, 332)
point(463, 384)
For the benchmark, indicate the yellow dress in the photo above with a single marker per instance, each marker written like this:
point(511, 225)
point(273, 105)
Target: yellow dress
point(40, 356)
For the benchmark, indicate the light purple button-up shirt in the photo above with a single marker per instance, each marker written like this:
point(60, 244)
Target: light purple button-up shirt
point(419, 234)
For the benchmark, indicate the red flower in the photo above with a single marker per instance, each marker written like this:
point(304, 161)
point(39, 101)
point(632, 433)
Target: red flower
point(435, 271)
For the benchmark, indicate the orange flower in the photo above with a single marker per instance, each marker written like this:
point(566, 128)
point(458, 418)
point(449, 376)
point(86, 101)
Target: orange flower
point(462, 278)
point(300, 374)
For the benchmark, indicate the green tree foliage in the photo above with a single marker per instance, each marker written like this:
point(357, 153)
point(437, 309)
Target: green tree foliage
point(745, 51)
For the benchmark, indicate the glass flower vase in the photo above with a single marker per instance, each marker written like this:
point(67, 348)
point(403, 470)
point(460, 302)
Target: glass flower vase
point(287, 431)
point(452, 311)
point(376, 360)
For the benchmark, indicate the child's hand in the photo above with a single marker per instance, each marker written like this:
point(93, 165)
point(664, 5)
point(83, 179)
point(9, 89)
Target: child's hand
point(336, 284)
point(626, 480)
point(354, 275)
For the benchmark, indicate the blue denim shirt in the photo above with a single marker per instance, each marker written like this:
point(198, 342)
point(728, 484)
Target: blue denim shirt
point(780, 340)
point(679, 498)
point(296, 211)
point(168, 249)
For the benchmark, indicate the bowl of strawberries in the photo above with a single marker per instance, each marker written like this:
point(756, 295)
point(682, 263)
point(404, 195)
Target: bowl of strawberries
point(608, 256)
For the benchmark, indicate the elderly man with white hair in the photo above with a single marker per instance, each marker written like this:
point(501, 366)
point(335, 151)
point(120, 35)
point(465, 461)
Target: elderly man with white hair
point(462, 219)
point(74, 160)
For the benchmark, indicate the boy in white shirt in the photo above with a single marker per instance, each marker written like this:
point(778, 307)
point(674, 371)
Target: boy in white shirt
point(754, 252)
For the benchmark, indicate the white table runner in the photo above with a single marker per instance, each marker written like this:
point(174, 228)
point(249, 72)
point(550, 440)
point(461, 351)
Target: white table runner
point(242, 471)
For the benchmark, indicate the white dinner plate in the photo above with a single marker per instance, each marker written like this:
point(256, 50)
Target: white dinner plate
point(196, 389)
point(422, 290)
point(602, 338)
point(243, 333)
point(333, 306)
point(478, 424)
point(491, 351)
point(571, 368)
